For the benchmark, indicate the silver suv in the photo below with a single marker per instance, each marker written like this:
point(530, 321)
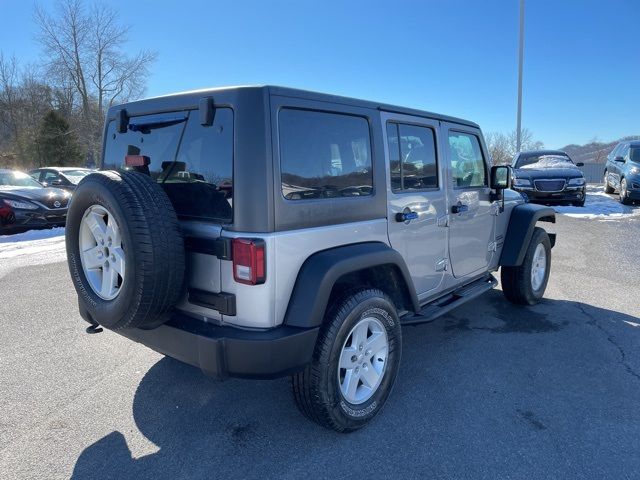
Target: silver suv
point(259, 232)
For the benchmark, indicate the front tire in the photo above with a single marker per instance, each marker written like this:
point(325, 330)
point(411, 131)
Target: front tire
point(354, 365)
point(525, 284)
point(624, 194)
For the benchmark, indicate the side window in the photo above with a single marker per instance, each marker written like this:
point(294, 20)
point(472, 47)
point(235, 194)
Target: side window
point(324, 155)
point(49, 177)
point(615, 152)
point(467, 161)
point(624, 152)
point(412, 155)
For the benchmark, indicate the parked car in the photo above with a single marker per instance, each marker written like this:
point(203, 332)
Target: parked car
point(66, 178)
point(622, 171)
point(7, 217)
point(30, 204)
point(347, 220)
point(549, 177)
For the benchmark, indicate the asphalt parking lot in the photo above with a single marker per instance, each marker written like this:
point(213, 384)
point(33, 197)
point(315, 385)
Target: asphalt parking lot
point(490, 391)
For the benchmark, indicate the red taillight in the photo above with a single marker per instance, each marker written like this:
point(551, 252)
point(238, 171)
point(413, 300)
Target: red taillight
point(249, 265)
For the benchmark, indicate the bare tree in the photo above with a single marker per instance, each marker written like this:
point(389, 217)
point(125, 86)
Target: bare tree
point(503, 146)
point(9, 106)
point(85, 53)
point(24, 99)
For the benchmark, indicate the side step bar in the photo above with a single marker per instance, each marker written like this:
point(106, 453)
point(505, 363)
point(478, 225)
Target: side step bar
point(445, 304)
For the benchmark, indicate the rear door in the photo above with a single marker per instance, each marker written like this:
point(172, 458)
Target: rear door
point(193, 163)
point(473, 214)
point(417, 210)
point(611, 164)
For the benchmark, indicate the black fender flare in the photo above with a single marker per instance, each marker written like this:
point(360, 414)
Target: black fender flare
point(322, 270)
point(521, 225)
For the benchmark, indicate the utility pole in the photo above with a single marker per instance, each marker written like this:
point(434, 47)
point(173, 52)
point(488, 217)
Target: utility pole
point(520, 61)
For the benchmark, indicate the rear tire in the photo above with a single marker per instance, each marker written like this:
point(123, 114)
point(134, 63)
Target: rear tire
point(146, 252)
point(607, 188)
point(525, 284)
point(322, 392)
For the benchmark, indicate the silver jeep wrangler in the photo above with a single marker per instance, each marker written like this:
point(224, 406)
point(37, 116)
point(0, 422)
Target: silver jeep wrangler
point(263, 231)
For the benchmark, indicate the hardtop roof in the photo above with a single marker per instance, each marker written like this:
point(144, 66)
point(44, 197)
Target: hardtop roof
point(191, 98)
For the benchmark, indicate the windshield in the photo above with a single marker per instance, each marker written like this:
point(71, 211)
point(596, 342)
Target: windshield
point(75, 176)
point(17, 179)
point(544, 161)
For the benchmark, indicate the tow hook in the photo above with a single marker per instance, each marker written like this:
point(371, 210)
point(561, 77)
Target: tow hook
point(94, 329)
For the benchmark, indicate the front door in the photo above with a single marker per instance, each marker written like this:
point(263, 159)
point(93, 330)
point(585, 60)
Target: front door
point(618, 166)
point(416, 195)
point(472, 213)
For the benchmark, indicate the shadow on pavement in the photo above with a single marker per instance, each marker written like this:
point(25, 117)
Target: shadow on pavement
point(489, 386)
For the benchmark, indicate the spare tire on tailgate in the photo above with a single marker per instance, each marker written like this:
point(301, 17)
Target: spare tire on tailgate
point(124, 249)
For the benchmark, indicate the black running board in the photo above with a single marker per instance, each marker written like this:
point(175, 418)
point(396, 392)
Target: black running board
point(448, 302)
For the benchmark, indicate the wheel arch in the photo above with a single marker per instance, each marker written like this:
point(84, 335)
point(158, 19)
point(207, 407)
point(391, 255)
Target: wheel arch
point(326, 275)
point(522, 223)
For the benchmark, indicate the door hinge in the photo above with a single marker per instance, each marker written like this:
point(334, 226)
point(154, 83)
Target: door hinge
point(495, 208)
point(493, 247)
point(442, 265)
point(443, 221)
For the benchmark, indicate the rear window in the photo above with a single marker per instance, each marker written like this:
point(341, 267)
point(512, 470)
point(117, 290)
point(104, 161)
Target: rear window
point(194, 163)
point(324, 155)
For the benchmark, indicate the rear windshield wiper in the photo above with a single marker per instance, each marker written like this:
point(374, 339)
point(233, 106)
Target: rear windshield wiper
point(160, 123)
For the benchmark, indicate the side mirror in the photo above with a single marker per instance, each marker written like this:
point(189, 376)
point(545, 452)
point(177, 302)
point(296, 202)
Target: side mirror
point(500, 177)
point(619, 159)
point(580, 164)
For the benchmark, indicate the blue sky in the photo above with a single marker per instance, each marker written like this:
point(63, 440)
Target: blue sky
point(458, 57)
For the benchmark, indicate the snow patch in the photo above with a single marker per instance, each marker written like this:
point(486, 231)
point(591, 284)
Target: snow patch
point(35, 247)
point(600, 206)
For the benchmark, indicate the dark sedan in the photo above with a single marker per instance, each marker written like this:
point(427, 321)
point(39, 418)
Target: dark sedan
point(25, 203)
point(66, 178)
point(548, 176)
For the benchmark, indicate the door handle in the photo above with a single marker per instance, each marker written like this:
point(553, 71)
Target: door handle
point(459, 208)
point(406, 216)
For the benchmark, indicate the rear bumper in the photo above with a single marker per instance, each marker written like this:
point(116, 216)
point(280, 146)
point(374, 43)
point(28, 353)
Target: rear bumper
point(226, 351)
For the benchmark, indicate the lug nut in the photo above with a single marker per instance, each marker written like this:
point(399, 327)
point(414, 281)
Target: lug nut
point(354, 359)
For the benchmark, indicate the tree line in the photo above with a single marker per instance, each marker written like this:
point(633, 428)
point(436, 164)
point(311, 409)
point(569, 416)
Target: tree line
point(52, 112)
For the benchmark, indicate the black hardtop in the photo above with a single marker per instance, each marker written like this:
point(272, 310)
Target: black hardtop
point(634, 143)
point(190, 100)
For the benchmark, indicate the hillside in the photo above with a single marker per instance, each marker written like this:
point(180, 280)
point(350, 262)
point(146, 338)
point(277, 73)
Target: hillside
point(594, 152)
